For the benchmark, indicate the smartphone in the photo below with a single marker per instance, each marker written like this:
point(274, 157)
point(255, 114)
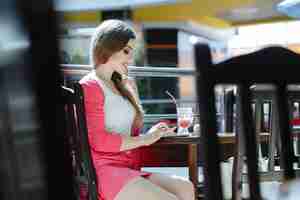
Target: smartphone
point(116, 76)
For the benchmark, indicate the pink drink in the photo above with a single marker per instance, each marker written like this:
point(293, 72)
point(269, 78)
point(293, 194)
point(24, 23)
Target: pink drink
point(184, 123)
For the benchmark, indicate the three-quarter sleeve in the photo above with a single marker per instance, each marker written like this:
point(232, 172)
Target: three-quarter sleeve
point(99, 138)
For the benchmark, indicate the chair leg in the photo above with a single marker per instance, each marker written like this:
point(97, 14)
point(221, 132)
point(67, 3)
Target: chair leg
point(274, 136)
point(287, 153)
point(237, 171)
point(238, 157)
point(248, 130)
point(258, 126)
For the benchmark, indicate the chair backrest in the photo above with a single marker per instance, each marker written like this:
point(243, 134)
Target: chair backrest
point(77, 136)
point(274, 65)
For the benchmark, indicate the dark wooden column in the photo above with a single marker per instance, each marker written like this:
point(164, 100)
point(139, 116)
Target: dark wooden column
point(228, 111)
point(122, 14)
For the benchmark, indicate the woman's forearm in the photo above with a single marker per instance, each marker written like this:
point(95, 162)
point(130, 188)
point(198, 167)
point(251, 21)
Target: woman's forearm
point(129, 142)
point(153, 135)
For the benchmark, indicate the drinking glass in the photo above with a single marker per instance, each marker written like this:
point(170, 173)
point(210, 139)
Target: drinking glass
point(184, 120)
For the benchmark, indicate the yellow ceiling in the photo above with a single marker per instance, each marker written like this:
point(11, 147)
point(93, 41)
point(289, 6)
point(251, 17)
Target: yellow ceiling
point(82, 17)
point(202, 11)
point(216, 13)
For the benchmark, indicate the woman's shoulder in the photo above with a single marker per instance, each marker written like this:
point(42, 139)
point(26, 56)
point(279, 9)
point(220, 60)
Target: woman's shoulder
point(90, 83)
point(88, 79)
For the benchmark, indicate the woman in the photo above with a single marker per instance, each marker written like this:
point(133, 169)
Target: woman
point(114, 119)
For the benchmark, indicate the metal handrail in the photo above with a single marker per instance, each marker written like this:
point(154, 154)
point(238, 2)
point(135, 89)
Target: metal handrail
point(166, 101)
point(150, 118)
point(161, 71)
point(139, 71)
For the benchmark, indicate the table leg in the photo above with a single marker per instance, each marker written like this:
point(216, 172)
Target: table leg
point(193, 166)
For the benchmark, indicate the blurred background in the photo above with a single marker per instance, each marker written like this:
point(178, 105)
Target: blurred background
point(45, 44)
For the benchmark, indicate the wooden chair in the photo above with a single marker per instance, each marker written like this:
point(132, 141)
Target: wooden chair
point(83, 170)
point(273, 65)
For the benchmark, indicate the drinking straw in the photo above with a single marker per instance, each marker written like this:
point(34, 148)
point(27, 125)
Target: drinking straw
point(172, 97)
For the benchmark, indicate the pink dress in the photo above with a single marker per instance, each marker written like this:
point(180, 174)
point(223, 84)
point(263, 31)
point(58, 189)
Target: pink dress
point(108, 116)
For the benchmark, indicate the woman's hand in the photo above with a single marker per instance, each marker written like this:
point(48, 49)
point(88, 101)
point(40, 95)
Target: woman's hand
point(156, 132)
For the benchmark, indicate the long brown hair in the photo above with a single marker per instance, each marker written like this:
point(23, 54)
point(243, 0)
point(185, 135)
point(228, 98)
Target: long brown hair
point(117, 80)
point(139, 117)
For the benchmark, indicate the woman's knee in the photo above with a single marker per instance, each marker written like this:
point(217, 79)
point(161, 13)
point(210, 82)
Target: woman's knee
point(186, 189)
point(162, 195)
point(153, 191)
point(181, 187)
point(146, 189)
point(189, 186)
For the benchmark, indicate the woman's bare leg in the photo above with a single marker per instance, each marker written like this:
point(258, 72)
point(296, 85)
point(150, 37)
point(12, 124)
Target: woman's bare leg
point(141, 188)
point(182, 188)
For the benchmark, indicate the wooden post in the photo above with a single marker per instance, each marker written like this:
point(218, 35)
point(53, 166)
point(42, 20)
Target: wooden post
point(193, 166)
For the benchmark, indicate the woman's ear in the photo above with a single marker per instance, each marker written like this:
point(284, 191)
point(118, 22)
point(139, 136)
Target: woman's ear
point(96, 60)
point(103, 59)
point(100, 59)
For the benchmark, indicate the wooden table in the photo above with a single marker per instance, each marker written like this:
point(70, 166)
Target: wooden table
point(193, 142)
